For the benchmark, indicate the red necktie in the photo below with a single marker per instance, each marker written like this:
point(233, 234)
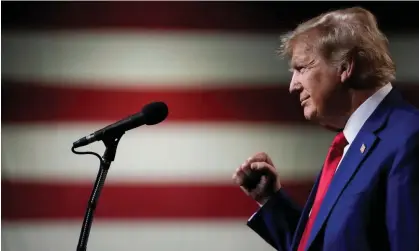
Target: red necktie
point(332, 160)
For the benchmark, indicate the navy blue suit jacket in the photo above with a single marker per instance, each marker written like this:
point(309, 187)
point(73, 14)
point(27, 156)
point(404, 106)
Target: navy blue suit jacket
point(373, 200)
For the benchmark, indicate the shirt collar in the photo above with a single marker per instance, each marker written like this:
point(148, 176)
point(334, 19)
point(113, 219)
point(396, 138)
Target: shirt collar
point(360, 116)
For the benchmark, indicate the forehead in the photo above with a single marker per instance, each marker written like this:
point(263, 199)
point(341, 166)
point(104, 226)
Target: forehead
point(302, 53)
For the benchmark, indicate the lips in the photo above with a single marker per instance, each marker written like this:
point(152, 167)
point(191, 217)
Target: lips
point(303, 101)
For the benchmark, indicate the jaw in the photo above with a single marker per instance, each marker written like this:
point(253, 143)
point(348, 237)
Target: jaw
point(335, 124)
point(332, 128)
point(331, 123)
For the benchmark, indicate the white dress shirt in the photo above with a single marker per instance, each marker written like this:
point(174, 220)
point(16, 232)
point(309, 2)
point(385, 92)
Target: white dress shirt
point(364, 111)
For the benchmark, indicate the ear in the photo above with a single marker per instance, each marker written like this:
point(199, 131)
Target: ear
point(346, 69)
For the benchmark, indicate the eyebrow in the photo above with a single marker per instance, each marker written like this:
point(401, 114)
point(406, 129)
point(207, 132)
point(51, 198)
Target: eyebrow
point(294, 63)
point(299, 62)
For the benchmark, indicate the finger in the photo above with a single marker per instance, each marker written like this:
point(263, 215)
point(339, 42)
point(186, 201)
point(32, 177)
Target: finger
point(238, 178)
point(236, 173)
point(261, 187)
point(260, 166)
point(257, 165)
point(242, 171)
point(259, 190)
point(248, 161)
point(245, 168)
point(264, 157)
point(261, 157)
point(245, 190)
point(265, 169)
point(240, 174)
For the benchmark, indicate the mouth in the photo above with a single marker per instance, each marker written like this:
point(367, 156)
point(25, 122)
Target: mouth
point(303, 101)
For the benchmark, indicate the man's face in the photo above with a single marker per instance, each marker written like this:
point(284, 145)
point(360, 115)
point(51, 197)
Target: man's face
point(317, 83)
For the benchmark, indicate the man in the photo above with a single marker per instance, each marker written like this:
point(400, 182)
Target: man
point(366, 196)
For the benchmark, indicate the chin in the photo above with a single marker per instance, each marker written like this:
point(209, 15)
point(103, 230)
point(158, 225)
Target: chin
point(310, 113)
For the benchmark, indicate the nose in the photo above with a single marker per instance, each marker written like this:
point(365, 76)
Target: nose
point(294, 84)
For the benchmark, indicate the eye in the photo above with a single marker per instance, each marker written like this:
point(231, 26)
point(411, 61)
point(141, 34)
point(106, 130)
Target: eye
point(299, 69)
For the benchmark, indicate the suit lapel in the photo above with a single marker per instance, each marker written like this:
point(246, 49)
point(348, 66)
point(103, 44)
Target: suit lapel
point(360, 148)
point(348, 167)
point(304, 215)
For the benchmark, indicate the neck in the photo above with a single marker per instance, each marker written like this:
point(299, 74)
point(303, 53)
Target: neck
point(355, 97)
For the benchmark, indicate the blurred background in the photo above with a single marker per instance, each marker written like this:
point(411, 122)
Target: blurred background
point(70, 68)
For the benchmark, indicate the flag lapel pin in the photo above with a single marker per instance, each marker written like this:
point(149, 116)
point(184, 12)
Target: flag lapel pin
point(362, 149)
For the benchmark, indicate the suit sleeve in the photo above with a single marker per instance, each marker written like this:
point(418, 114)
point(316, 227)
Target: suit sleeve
point(276, 221)
point(402, 204)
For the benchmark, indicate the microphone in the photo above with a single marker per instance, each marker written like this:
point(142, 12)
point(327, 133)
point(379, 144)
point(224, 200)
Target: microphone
point(151, 114)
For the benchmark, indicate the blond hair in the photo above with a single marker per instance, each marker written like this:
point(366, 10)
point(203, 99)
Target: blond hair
point(345, 34)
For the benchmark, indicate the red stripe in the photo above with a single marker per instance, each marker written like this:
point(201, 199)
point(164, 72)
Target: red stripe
point(145, 15)
point(58, 201)
point(23, 103)
point(232, 16)
point(35, 103)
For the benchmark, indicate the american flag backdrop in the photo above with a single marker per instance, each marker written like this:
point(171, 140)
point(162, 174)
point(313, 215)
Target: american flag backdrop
point(69, 69)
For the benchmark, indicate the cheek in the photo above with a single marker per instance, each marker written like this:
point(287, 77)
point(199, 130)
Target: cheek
point(313, 89)
point(319, 89)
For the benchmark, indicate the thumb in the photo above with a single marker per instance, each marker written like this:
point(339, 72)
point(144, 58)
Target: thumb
point(263, 157)
point(263, 167)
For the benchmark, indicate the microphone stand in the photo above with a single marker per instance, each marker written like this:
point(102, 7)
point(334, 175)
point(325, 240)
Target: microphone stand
point(111, 144)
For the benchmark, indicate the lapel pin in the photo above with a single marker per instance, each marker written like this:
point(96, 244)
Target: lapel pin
point(362, 149)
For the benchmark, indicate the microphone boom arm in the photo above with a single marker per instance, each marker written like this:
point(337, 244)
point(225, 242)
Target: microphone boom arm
point(111, 144)
point(110, 135)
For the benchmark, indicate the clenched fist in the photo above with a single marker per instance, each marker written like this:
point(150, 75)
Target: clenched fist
point(259, 164)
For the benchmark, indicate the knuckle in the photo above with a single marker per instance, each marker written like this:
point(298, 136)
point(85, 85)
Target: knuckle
point(259, 165)
point(262, 154)
point(238, 180)
point(255, 165)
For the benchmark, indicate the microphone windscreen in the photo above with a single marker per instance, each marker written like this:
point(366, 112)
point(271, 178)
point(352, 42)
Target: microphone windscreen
point(155, 113)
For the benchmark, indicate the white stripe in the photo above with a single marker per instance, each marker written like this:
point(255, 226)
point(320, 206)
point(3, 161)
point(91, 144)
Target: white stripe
point(168, 152)
point(156, 59)
point(127, 236)
point(141, 58)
